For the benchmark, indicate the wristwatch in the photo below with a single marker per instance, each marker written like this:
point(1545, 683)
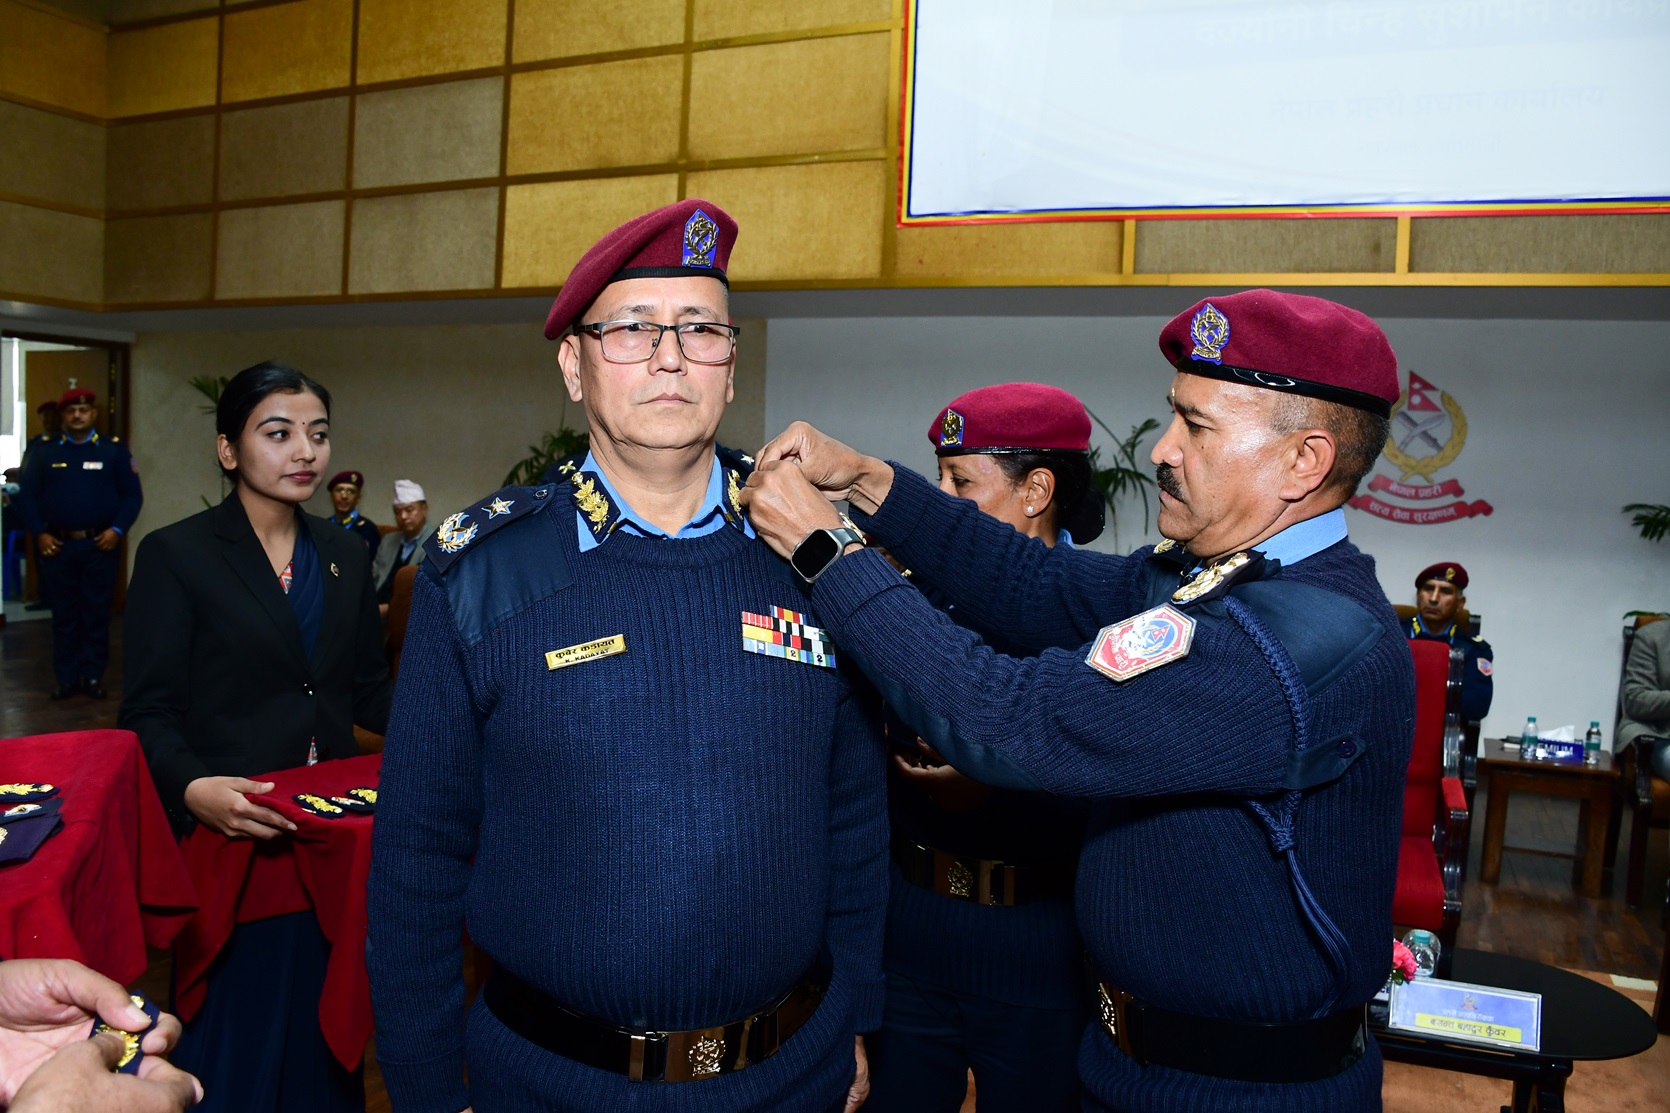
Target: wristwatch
point(813, 556)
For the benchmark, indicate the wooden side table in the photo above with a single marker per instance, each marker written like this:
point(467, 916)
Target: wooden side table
point(1506, 773)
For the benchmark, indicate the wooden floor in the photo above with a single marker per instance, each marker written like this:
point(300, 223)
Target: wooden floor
point(1535, 911)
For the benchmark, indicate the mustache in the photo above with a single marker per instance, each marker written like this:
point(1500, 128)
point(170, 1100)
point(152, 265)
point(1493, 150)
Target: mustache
point(1165, 476)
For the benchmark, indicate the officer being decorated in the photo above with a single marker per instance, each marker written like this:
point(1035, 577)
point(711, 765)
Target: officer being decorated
point(345, 488)
point(79, 495)
point(624, 750)
point(1235, 702)
point(1439, 599)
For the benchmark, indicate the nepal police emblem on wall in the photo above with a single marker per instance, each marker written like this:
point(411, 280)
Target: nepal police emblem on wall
point(1429, 431)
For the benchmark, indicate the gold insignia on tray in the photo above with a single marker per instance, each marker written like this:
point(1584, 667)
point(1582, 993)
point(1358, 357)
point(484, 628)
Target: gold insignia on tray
point(960, 879)
point(705, 1056)
point(23, 789)
point(1208, 578)
point(585, 651)
point(318, 802)
point(369, 795)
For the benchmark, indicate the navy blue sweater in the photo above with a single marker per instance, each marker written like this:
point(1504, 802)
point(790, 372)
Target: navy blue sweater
point(666, 836)
point(1182, 899)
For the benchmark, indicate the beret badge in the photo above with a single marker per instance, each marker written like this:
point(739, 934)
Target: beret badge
point(1210, 331)
point(701, 236)
point(951, 432)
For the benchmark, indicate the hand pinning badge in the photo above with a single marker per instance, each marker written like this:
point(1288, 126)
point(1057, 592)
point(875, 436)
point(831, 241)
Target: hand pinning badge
point(132, 1056)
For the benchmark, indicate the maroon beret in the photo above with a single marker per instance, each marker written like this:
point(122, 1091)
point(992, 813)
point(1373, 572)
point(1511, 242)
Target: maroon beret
point(1012, 417)
point(1287, 342)
point(49, 404)
point(75, 394)
point(1448, 571)
point(691, 238)
point(353, 478)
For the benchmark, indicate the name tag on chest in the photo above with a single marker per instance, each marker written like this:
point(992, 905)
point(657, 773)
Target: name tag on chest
point(587, 651)
point(92, 465)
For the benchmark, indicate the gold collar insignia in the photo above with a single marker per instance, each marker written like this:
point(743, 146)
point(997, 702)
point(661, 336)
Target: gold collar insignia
point(593, 503)
point(1211, 577)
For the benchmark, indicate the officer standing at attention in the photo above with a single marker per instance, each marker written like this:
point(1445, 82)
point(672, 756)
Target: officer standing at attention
point(345, 488)
point(985, 969)
point(621, 748)
point(80, 494)
point(1237, 703)
point(1438, 600)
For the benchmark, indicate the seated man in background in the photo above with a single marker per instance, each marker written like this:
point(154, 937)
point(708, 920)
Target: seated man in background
point(1439, 600)
point(345, 487)
point(405, 545)
point(1647, 693)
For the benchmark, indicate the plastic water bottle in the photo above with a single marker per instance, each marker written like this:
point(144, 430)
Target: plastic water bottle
point(1425, 947)
point(1528, 736)
point(1591, 743)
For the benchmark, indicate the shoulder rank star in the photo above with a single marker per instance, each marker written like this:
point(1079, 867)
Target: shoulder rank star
point(1208, 578)
point(499, 506)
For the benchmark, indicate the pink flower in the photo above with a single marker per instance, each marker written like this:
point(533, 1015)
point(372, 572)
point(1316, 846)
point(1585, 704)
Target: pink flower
point(1403, 963)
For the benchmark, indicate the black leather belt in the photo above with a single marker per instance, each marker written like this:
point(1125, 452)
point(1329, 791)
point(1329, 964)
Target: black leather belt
point(644, 1055)
point(1296, 1051)
point(74, 534)
point(982, 880)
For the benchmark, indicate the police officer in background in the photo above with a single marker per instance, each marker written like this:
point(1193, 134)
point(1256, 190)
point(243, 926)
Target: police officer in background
point(345, 488)
point(1438, 601)
point(48, 412)
point(80, 494)
point(1236, 703)
point(985, 970)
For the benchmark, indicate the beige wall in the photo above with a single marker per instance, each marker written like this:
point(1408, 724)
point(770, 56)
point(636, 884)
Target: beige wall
point(452, 407)
point(326, 150)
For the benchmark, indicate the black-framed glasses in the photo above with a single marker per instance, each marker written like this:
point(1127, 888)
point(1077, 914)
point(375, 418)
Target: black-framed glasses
point(636, 341)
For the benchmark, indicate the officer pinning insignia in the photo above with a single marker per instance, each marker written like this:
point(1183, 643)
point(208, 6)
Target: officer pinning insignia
point(1214, 576)
point(132, 1056)
point(26, 793)
point(786, 634)
point(318, 805)
point(585, 651)
point(1210, 332)
point(1142, 642)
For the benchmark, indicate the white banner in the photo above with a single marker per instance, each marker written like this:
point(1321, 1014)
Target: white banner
point(1096, 106)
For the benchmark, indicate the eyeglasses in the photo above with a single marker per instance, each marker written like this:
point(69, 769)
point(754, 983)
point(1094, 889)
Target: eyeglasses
point(636, 341)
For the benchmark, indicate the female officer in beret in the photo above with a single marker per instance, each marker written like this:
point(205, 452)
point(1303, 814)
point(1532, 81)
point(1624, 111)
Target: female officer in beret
point(984, 963)
point(253, 645)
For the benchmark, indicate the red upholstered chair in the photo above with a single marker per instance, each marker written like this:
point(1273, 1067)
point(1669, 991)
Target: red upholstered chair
point(1433, 856)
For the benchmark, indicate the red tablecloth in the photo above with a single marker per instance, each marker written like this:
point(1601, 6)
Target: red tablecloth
point(323, 866)
point(112, 880)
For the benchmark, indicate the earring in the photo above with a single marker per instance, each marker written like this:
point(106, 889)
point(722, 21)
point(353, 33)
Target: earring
point(1029, 509)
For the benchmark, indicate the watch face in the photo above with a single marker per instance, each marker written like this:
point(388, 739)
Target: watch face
point(814, 554)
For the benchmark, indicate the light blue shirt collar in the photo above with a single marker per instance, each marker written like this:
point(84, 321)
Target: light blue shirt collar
point(1306, 538)
point(710, 516)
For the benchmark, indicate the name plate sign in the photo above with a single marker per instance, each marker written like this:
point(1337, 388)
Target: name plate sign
point(1481, 1014)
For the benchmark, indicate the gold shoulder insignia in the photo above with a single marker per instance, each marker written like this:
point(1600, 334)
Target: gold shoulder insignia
point(452, 535)
point(1211, 577)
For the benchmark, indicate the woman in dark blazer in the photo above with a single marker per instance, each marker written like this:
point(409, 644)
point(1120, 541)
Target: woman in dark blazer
point(253, 644)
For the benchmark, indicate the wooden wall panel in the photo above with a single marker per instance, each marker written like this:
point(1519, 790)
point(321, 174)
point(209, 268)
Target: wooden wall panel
point(129, 11)
point(1263, 246)
point(720, 19)
point(157, 259)
point(549, 225)
point(566, 28)
point(417, 38)
point(160, 163)
point(429, 133)
point(284, 150)
point(52, 255)
point(1013, 250)
point(739, 99)
point(424, 241)
point(818, 221)
point(590, 117)
point(51, 157)
point(164, 68)
point(278, 51)
point(51, 58)
point(1542, 244)
point(281, 251)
